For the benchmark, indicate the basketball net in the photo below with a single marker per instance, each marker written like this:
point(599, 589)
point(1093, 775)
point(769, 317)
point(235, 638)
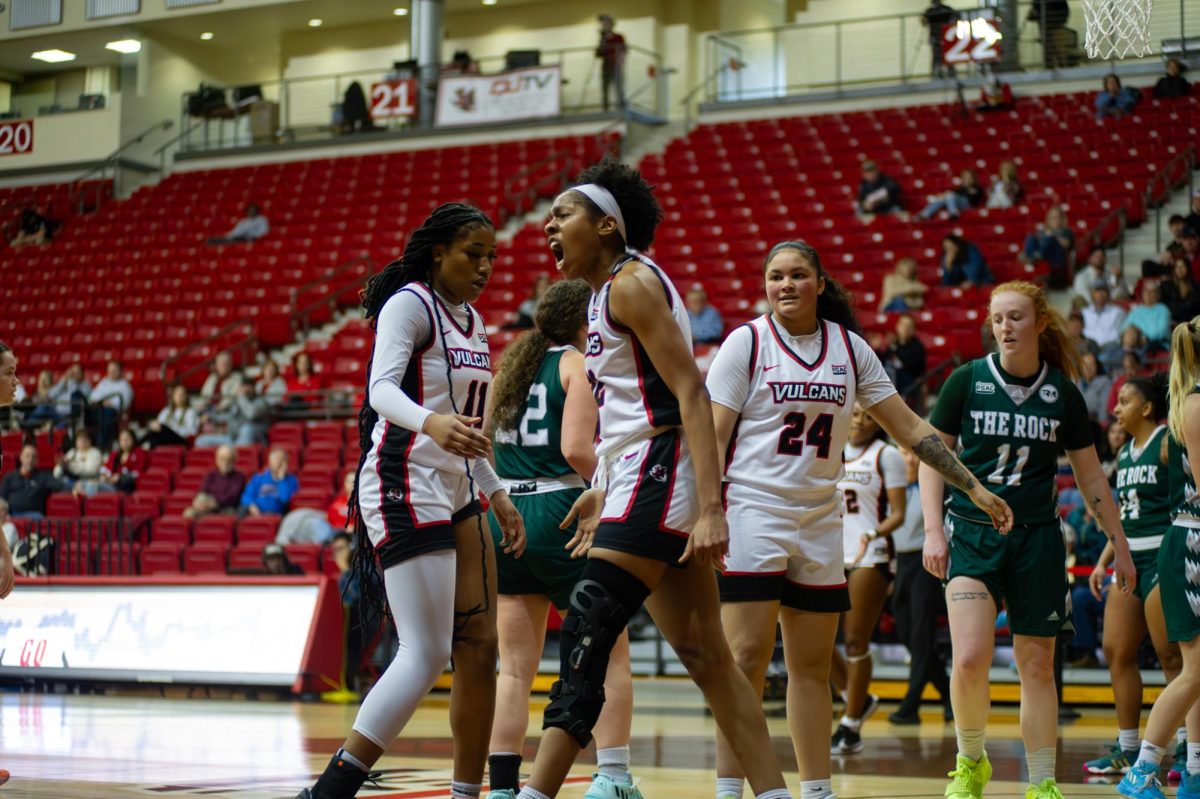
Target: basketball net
point(1117, 28)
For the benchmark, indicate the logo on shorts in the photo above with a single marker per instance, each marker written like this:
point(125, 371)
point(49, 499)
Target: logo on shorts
point(983, 387)
point(394, 495)
point(659, 472)
point(839, 368)
point(1048, 394)
point(1053, 616)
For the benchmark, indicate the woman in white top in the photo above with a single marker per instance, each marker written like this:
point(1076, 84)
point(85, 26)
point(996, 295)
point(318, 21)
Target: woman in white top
point(176, 424)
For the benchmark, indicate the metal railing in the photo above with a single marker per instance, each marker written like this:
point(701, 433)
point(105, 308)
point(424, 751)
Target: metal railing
point(245, 346)
point(1156, 197)
point(328, 299)
point(522, 189)
point(112, 161)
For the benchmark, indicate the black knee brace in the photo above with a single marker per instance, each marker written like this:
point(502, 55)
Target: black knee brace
point(602, 602)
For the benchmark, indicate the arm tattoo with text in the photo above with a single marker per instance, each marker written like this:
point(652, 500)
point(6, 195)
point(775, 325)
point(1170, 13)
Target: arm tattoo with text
point(960, 596)
point(1093, 504)
point(932, 451)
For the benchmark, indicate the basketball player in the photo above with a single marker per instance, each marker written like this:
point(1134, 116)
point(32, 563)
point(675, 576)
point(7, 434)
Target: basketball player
point(423, 461)
point(1012, 413)
point(653, 524)
point(783, 391)
point(8, 389)
point(874, 497)
point(543, 425)
point(1143, 490)
point(1178, 567)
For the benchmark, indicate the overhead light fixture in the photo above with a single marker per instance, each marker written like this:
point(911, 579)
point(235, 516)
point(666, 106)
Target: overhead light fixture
point(489, 2)
point(53, 56)
point(206, 35)
point(400, 12)
point(124, 46)
point(315, 23)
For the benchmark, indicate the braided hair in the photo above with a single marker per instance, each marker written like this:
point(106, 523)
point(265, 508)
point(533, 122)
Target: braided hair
point(444, 226)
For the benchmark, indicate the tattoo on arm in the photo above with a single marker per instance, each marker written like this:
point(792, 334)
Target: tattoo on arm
point(1094, 505)
point(958, 596)
point(933, 451)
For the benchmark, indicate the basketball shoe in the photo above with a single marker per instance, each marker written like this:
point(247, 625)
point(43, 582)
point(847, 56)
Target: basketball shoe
point(969, 777)
point(1141, 782)
point(1115, 762)
point(605, 787)
point(1046, 789)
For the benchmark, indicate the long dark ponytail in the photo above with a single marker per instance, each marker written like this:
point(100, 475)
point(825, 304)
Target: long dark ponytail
point(833, 304)
point(442, 227)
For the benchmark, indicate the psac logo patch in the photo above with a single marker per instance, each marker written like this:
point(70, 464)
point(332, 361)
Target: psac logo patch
point(983, 387)
point(1048, 394)
point(594, 346)
point(839, 368)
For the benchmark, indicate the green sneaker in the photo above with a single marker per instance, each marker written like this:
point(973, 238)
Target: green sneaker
point(1116, 762)
point(969, 777)
point(1046, 789)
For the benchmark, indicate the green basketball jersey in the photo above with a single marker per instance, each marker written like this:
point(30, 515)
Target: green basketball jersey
point(534, 449)
point(1185, 502)
point(1143, 488)
point(1010, 437)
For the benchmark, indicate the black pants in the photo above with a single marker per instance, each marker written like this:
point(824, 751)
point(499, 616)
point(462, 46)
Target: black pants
point(939, 68)
point(917, 601)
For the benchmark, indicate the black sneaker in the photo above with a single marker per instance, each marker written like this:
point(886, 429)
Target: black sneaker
point(869, 708)
point(845, 741)
point(904, 719)
point(340, 780)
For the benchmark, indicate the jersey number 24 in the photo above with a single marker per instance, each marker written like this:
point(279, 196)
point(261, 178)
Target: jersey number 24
point(797, 432)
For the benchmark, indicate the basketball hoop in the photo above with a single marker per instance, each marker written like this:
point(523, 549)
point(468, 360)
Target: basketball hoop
point(1117, 28)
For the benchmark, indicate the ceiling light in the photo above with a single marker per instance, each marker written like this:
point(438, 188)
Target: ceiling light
point(206, 35)
point(124, 46)
point(315, 23)
point(53, 56)
point(489, 2)
point(400, 12)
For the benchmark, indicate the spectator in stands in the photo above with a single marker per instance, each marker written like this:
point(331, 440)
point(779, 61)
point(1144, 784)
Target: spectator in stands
point(270, 384)
point(1082, 343)
point(27, 488)
point(1115, 100)
point(1051, 18)
point(1131, 366)
point(71, 393)
point(967, 194)
point(1095, 386)
point(44, 411)
point(311, 526)
point(111, 400)
point(81, 466)
point(7, 527)
point(271, 490)
point(1086, 276)
point(1085, 542)
point(1118, 286)
point(305, 384)
point(707, 324)
point(1173, 84)
point(877, 193)
point(995, 94)
point(1109, 447)
point(276, 561)
point(1193, 218)
point(901, 289)
point(904, 358)
point(250, 228)
point(1007, 190)
point(177, 424)
point(1190, 240)
point(1102, 324)
point(221, 491)
point(125, 464)
point(1180, 293)
point(611, 52)
point(528, 306)
point(935, 18)
point(249, 418)
point(221, 386)
point(1150, 319)
point(1054, 243)
point(34, 228)
point(963, 264)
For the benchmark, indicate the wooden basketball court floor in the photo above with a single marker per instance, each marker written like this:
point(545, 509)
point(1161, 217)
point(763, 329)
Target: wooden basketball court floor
point(69, 746)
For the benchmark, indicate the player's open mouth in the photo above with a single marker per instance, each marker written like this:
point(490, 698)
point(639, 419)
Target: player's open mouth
point(557, 249)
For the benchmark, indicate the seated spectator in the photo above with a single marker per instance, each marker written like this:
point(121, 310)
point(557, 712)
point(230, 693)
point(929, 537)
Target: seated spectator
point(244, 423)
point(1085, 542)
point(1007, 191)
point(1190, 240)
point(904, 357)
point(27, 488)
point(1087, 275)
point(71, 393)
point(1115, 100)
point(44, 412)
point(963, 264)
point(270, 384)
point(967, 194)
point(1095, 387)
point(221, 491)
point(995, 95)
point(707, 324)
point(1082, 343)
point(111, 400)
point(271, 490)
point(1180, 293)
point(304, 384)
point(528, 306)
point(125, 464)
point(34, 228)
point(7, 527)
point(877, 193)
point(276, 561)
point(1102, 324)
point(1161, 266)
point(1173, 84)
point(901, 289)
point(81, 466)
point(1150, 319)
point(1131, 366)
point(177, 423)
point(1192, 220)
point(1118, 286)
point(222, 384)
point(1110, 447)
point(250, 228)
point(1054, 243)
point(311, 526)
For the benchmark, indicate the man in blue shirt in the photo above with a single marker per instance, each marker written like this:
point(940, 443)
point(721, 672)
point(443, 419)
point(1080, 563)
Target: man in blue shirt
point(271, 490)
point(707, 324)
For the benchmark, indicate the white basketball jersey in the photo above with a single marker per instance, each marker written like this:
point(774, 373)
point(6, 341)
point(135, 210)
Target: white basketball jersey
point(633, 397)
point(466, 351)
point(864, 499)
point(796, 419)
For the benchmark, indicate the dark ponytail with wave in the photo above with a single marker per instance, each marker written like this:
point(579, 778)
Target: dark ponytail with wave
point(833, 304)
point(443, 226)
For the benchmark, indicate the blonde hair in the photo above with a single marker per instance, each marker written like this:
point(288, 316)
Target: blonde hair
point(1054, 344)
point(1007, 170)
point(1185, 373)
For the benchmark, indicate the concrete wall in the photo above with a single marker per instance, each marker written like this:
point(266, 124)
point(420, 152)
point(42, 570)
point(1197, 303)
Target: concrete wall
point(69, 138)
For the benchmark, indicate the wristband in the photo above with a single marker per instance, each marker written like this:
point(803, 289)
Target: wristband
point(871, 534)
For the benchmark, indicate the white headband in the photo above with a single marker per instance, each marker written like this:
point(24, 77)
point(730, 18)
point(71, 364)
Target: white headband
point(607, 203)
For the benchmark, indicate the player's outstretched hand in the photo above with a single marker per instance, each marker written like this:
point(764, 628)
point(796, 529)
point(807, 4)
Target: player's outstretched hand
point(1096, 581)
point(586, 510)
point(993, 506)
point(709, 542)
point(512, 526)
point(457, 434)
point(936, 555)
point(1124, 573)
point(863, 543)
point(6, 576)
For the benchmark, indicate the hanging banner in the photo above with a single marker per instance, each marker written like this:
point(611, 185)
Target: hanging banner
point(527, 93)
point(394, 99)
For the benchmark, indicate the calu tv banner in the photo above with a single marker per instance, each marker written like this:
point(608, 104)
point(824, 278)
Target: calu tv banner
point(527, 93)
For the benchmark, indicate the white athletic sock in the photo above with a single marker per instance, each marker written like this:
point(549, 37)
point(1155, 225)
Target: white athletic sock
point(816, 789)
point(730, 786)
point(1151, 754)
point(614, 763)
point(1041, 765)
point(352, 760)
point(775, 793)
point(464, 790)
point(852, 724)
point(530, 793)
point(1181, 735)
point(1193, 758)
point(970, 743)
point(1127, 740)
